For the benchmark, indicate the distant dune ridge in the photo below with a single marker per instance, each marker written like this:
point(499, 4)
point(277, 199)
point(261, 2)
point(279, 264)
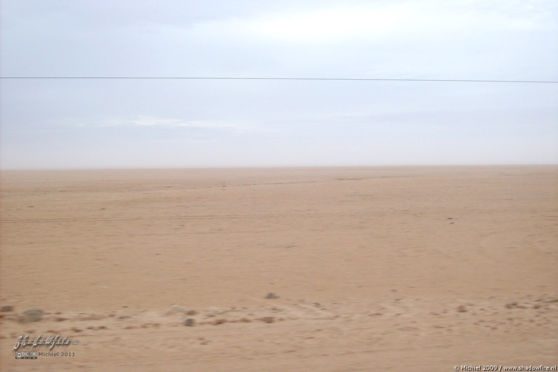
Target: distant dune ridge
point(380, 268)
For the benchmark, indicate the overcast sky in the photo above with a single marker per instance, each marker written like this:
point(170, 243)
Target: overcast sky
point(182, 123)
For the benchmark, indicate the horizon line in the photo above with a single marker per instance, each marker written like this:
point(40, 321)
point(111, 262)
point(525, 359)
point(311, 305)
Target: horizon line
point(278, 166)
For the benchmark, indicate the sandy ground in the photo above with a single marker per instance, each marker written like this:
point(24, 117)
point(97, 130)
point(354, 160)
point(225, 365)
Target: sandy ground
point(374, 269)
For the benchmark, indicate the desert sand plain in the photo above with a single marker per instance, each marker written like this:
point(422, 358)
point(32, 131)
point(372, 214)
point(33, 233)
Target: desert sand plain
point(371, 269)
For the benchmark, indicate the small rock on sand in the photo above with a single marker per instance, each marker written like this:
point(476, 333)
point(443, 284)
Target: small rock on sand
point(511, 305)
point(6, 308)
point(189, 322)
point(461, 309)
point(32, 315)
point(271, 296)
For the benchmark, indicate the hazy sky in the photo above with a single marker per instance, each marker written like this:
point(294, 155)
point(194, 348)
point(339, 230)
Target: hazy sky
point(181, 123)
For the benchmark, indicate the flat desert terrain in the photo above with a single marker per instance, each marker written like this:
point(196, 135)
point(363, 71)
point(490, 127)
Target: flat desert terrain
point(287, 269)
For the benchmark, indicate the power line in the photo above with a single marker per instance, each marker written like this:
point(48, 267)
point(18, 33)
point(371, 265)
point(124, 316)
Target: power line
point(290, 78)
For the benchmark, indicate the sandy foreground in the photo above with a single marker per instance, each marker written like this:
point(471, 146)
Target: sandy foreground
point(374, 269)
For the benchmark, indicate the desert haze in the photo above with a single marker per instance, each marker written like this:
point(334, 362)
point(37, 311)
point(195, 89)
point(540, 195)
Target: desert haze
point(285, 269)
